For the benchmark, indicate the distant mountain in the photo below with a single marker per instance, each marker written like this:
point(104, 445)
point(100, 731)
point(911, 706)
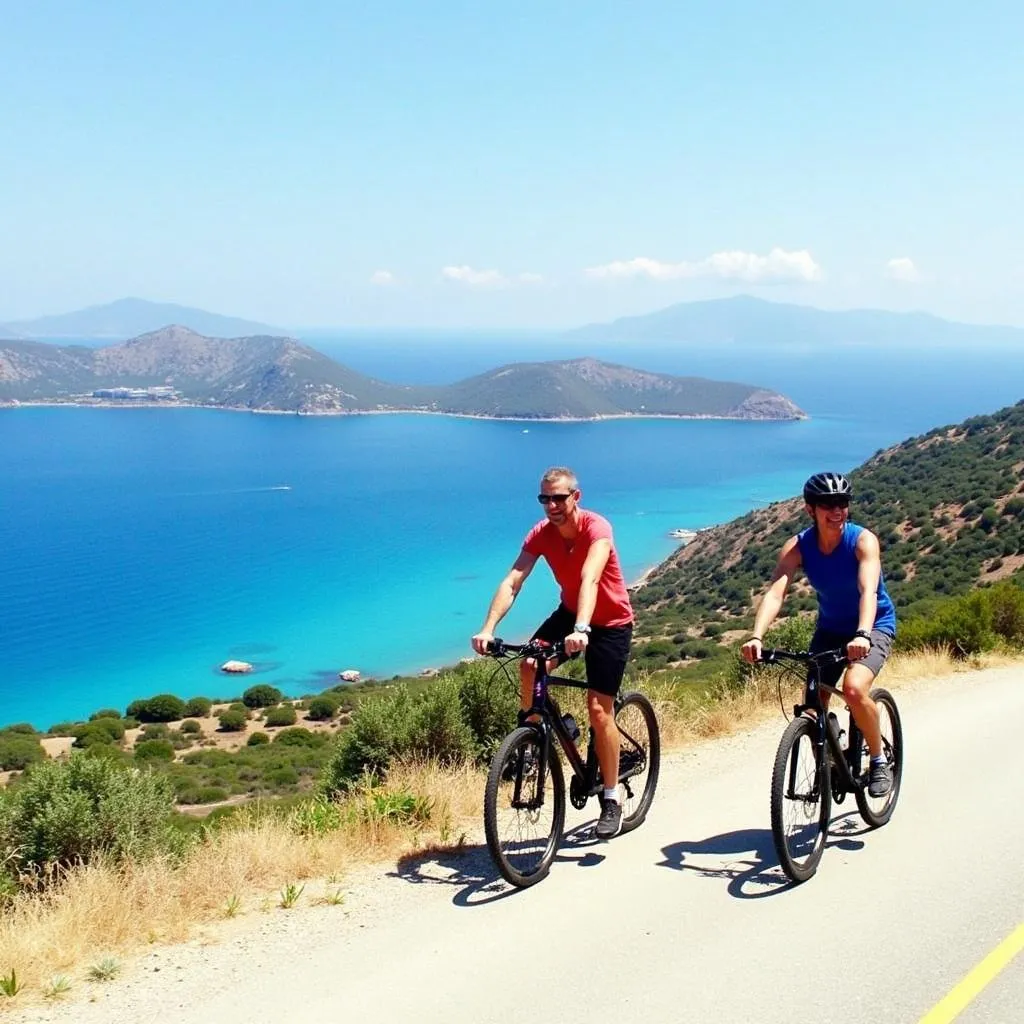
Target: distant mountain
point(280, 374)
point(746, 321)
point(128, 318)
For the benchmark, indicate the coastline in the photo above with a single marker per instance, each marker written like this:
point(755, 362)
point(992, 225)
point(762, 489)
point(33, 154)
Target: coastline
point(114, 404)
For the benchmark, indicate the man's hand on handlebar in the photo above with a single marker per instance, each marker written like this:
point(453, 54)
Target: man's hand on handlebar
point(751, 650)
point(481, 643)
point(576, 642)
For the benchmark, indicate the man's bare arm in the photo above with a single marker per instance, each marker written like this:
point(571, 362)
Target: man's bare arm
point(771, 604)
point(504, 598)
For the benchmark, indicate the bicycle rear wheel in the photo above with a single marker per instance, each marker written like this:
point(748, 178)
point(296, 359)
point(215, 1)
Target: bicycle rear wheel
point(639, 757)
point(801, 801)
point(523, 818)
point(877, 810)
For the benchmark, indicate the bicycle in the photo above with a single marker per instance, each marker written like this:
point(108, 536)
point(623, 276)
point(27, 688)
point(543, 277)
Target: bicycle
point(524, 801)
point(805, 781)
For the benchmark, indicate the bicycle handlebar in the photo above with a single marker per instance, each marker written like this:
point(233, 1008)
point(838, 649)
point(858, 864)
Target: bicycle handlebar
point(773, 655)
point(498, 648)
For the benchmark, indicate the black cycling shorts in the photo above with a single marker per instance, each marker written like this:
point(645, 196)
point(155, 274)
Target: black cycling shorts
point(607, 648)
point(823, 640)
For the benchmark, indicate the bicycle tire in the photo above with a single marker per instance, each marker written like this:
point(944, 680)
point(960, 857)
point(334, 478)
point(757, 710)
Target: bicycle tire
point(801, 800)
point(523, 840)
point(876, 811)
point(639, 757)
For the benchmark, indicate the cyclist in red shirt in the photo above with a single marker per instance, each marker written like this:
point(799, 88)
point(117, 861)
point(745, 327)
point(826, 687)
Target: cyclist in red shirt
point(594, 615)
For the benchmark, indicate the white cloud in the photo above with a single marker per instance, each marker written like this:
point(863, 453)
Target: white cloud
point(382, 277)
point(474, 278)
point(733, 265)
point(487, 278)
point(902, 269)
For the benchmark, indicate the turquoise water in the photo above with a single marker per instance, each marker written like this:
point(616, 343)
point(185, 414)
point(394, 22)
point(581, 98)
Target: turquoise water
point(141, 548)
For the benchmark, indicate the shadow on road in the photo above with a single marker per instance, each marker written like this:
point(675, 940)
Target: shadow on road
point(758, 875)
point(470, 869)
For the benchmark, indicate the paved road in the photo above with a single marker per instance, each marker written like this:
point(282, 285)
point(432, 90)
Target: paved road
point(687, 919)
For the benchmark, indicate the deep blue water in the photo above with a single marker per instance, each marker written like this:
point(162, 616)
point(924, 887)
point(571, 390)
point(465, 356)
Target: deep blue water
point(140, 548)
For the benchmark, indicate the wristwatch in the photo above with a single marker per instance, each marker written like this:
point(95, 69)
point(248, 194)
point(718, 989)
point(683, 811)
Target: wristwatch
point(863, 633)
point(581, 627)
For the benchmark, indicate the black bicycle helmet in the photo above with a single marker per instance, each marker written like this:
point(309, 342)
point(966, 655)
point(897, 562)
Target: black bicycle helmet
point(824, 485)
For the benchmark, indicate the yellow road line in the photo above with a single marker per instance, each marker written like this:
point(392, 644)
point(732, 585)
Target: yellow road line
point(964, 992)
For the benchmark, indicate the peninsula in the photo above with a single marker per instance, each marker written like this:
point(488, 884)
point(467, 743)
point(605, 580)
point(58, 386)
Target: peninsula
point(264, 373)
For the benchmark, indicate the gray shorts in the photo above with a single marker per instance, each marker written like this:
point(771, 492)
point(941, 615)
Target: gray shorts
point(824, 640)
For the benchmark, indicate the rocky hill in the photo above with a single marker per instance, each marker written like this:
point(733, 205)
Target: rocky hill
point(948, 508)
point(281, 374)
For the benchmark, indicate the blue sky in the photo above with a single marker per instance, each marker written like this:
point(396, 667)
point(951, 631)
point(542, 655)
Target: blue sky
point(524, 164)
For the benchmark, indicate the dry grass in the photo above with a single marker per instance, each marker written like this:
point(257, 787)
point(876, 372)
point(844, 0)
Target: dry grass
point(100, 909)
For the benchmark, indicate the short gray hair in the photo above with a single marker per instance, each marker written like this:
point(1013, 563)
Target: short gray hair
point(560, 473)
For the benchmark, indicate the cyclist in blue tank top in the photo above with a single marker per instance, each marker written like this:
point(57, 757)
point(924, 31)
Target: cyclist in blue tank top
point(843, 563)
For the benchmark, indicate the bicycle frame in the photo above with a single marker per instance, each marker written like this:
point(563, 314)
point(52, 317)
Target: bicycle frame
point(847, 763)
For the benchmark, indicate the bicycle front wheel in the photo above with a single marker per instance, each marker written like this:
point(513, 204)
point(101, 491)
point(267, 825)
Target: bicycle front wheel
point(801, 801)
point(524, 809)
point(639, 757)
point(877, 810)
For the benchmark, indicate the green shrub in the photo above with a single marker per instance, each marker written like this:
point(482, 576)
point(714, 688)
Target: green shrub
point(322, 709)
point(263, 695)
point(298, 737)
point(257, 739)
point(99, 730)
point(105, 713)
point(69, 811)
point(154, 750)
point(210, 795)
point(286, 775)
point(164, 707)
point(190, 725)
point(489, 702)
point(239, 707)
point(154, 731)
point(232, 721)
point(18, 751)
point(21, 728)
point(198, 707)
point(283, 715)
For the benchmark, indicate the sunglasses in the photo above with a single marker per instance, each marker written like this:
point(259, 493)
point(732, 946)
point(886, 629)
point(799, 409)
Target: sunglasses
point(840, 502)
point(557, 499)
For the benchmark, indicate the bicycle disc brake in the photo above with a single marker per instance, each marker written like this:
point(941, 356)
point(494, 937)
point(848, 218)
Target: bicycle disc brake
point(578, 796)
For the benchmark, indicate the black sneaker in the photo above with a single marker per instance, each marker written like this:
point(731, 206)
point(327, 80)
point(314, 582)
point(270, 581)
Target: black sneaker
point(880, 779)
point(610, 822)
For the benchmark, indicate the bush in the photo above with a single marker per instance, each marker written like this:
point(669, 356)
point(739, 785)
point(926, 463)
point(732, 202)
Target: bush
point(283, 715)
point(99, 730)
point(18, 751)
point(154, 750)
point(261, 696)
point(154, 731)
point(489, 704)
point(190, 725)
point(239, 707)
point(257, 739)
point(22, 728)
point(65, 812)
point(198, 707)
point(104, 713)
point(298, 737)
point(322, 709)
point(164, 707)
point(397, 724)
point(232, 721)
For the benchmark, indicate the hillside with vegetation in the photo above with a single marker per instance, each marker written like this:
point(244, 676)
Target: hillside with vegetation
point(947, 506)
point(175, 365)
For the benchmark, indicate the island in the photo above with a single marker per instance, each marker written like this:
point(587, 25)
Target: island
point(176, 366)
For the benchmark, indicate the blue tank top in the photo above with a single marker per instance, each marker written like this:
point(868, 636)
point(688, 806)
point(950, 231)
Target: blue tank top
point(834, 578)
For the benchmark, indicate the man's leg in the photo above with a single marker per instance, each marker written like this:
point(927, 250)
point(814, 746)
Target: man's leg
point(601, 709)
point(856, 692)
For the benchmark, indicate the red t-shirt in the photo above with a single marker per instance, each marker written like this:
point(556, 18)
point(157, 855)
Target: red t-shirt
point(566, 559)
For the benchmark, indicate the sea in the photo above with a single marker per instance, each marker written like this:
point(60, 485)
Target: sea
point(140, 548)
